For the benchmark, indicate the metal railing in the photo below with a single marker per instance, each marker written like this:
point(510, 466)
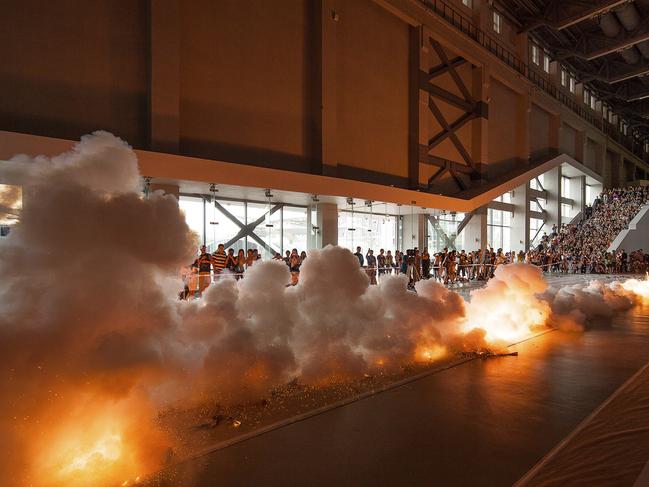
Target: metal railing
point(459, 20)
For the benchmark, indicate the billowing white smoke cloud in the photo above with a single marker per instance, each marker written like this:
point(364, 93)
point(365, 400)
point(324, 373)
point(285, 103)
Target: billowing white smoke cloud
point(259, 333)
point(82, 314)
point(91, 327)
point(574, 306)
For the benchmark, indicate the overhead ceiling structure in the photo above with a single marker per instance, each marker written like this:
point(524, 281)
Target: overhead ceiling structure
point(605, 43)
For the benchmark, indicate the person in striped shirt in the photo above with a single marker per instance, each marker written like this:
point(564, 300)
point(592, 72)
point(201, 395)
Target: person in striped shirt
point(218, 260)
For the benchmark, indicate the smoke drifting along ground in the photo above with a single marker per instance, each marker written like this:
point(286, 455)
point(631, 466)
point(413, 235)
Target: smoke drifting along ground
point(94, 342)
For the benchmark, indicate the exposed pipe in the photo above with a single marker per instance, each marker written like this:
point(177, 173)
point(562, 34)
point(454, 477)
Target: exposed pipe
point(630, 18)
point(609, 25)
point(611, 28)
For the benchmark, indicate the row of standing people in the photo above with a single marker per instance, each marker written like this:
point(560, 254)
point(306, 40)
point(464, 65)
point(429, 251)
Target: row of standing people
point(447, 266)
point(210, 266)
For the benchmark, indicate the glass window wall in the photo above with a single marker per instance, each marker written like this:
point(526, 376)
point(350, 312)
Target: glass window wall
point(448, 224)
point(369, 231)
point(214, 224)
point(536, 231)
point(499, 229)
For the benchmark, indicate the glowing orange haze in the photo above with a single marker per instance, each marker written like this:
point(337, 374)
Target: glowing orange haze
point(105, 442)
point(91, 329)
point(98, 442)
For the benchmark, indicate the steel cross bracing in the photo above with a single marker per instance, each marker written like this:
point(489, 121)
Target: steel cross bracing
point(247, 230)
point(472, 109)
point(449, 241)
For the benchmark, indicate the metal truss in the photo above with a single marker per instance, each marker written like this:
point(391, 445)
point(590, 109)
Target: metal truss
point(471, 109)
point(570, 29)
point(595, 45)
point(561, 14)
point(247, 230)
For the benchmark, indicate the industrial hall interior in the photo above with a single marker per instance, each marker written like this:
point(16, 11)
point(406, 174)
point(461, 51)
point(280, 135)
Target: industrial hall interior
point(324, 242)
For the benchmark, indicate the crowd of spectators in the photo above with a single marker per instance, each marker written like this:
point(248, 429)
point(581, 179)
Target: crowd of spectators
point(580, 247)
point(208, 267)
point(583, 246)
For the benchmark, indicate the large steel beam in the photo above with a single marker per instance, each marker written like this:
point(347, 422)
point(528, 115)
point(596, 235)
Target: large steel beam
point(442, 94)
point(426, 158)
point(440, 69)
point(450, 131)
point(453, 72)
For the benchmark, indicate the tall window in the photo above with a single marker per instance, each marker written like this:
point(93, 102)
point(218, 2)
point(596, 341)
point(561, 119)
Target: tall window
point(497, 22)
point(593, 102)
point(536, 231)
point(536, 54)
point(537, 204)
point(591, 194)
point(467, 3)
point(448, 223)
point(537, 183)
point(565, 186)
point(546, 62)
point(369, 231)
point(566, 212)
point(572, 84)
point(564, 77)
point(586, 97)
point(499, 229)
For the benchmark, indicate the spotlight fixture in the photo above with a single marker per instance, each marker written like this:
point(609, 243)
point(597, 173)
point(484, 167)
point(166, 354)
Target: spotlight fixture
point(268, 193)
point(315, 198)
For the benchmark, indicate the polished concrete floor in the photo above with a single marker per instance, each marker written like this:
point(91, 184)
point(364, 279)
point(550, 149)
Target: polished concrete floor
point(484, 423)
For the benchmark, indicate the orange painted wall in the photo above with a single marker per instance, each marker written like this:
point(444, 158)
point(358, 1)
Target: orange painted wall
point(246, 82)
point(372, 88)
point(66, 70)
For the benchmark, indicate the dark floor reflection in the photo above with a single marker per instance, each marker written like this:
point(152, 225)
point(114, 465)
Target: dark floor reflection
point(484, 423)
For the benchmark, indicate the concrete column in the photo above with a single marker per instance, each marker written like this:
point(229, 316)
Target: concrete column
point(555, 132)
point(475, 232)
point(329, 120)
point(520, 231)
point(164, 67)
point(414, 231)
point(580, 148)
point(552, 185)
point(522, 135)
point(327, 218)
point(522, 45)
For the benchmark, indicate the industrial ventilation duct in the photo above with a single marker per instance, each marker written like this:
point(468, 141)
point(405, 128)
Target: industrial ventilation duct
point(628, 17)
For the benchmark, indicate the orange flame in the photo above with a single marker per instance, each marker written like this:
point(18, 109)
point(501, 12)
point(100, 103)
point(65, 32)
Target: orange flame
point(106, 443)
